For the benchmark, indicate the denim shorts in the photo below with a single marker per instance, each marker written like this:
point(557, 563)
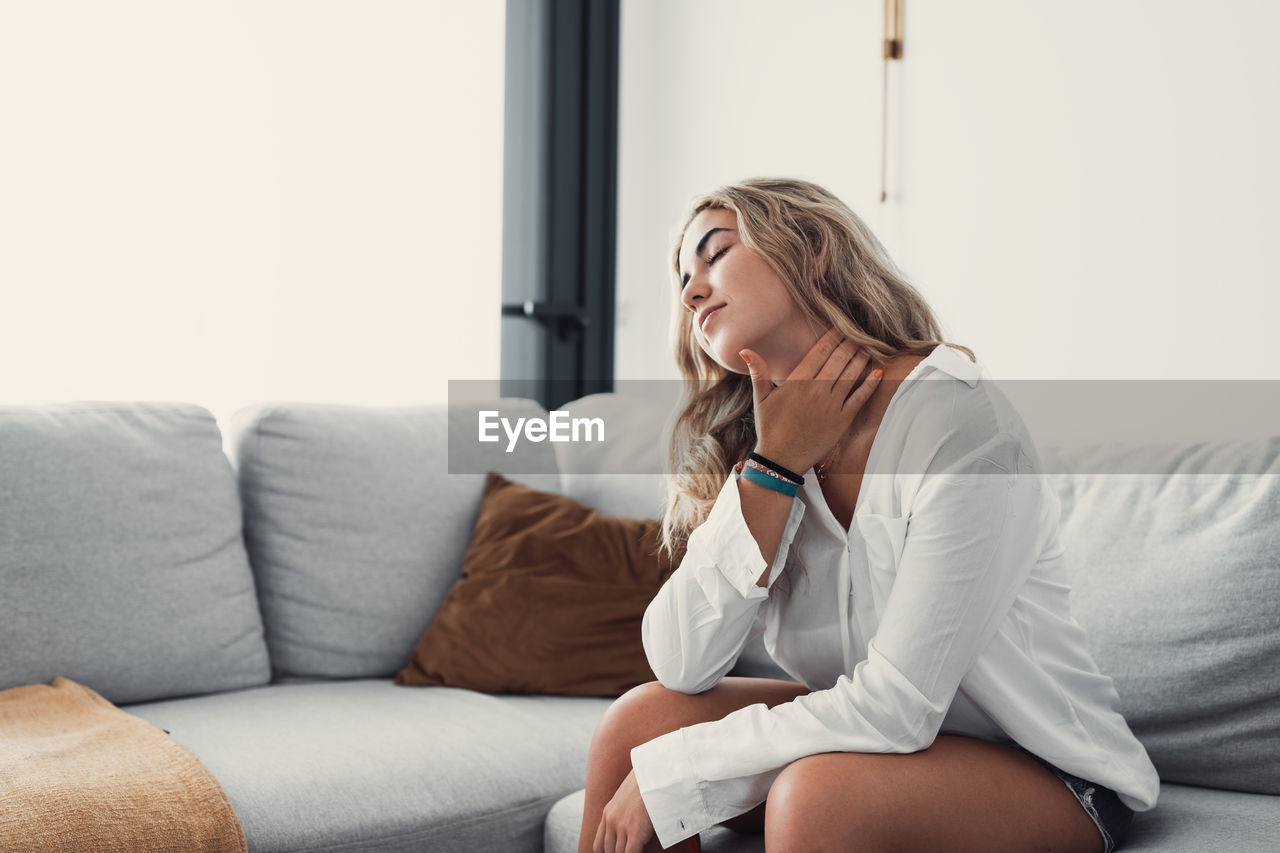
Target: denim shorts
point(1109, 814)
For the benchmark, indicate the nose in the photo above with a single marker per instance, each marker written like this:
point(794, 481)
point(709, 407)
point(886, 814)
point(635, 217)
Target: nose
point(695, 292)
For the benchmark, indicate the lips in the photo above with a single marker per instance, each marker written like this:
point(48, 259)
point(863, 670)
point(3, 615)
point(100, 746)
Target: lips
point(706, 316)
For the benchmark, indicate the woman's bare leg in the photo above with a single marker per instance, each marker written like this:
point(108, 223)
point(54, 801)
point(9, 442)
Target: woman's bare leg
point(650, 710)
point(959, 795)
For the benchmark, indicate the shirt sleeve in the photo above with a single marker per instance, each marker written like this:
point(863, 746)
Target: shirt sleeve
point(704, 615)
point(972, 540)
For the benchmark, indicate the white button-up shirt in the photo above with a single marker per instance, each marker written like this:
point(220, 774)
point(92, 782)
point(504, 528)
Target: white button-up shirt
point(942, 609)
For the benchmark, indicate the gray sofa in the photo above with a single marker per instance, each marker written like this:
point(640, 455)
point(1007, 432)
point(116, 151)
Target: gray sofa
point(253, 594)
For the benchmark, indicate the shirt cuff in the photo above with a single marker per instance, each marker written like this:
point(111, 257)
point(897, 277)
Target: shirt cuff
point(734, 549)
point(669, 789)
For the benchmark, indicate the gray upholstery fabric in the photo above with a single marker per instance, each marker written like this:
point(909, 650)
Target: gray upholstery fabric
point(121, 560)
point(355, 528)
point(564, 824)
point(624, 475)
point(1198, 820)
point(1176, 579)
point(1186, 820)
point(369, 765)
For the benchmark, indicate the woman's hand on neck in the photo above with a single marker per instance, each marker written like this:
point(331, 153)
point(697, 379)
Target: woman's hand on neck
point(786, 351)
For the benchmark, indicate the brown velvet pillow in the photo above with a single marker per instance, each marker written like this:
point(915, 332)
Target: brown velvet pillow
point(550, 600)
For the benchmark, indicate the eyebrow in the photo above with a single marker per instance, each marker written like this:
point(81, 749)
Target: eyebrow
point(697, 251)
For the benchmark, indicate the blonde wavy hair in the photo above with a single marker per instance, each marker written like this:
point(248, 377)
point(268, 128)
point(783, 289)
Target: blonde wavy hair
point(838, 274)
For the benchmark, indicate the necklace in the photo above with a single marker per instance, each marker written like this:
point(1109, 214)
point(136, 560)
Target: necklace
point(821, 468)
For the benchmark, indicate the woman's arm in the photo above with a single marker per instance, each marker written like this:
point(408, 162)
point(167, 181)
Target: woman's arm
point(765, 512)
point(703, 616)
point(701, 619)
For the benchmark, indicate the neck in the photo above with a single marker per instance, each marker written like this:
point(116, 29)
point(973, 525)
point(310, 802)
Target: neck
point(784, 353)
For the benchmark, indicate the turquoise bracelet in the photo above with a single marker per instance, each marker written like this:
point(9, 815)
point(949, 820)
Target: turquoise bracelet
point(778, 485)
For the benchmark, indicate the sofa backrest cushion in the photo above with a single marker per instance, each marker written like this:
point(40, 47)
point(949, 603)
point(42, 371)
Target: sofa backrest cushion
point(122, 565)
point(1176, 580)
point(355, 527)
point(624, 474)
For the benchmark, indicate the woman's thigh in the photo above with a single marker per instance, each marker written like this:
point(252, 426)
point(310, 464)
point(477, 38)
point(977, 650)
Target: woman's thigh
point(960, 794)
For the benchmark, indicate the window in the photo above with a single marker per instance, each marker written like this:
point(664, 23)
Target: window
point(227, 203)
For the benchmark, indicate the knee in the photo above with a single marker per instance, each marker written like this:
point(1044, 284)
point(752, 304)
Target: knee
point(804, 811)
point(795, 799)
point(640, 704)
point(638, 716)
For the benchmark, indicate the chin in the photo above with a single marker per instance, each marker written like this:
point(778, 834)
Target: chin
point(741, 371)
point(727, 358)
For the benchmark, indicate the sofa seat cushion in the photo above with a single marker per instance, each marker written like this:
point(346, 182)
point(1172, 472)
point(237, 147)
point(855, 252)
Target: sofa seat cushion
point(1185, 820)
point(369, 765)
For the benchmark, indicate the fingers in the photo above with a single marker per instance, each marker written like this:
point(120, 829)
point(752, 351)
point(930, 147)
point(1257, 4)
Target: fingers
point(855, 401)
point(614, 835)
point(807, 416)
point(839, 360)
point(817, 355)
point(844, 374)
point(614, 841)
point(761, 384)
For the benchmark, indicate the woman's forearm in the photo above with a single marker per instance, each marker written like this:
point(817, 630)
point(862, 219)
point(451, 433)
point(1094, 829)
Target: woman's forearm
point(766, 512)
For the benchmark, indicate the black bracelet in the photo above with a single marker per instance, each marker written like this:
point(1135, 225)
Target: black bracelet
point(790, 475)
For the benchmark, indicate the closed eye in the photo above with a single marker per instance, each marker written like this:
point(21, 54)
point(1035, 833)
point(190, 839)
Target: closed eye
point(711, 260)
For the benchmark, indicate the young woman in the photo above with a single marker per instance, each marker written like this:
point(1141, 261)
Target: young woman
point(944, 698)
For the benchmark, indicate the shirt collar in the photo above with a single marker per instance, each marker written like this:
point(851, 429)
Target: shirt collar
point(952, 362)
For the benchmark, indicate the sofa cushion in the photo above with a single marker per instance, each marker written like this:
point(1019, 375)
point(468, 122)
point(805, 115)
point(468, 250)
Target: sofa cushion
point(1175, 577)
point(550, 600)
point(1196, 820)
point(626, 473)
point(356, 528)
point(367, 765)
point(121, 559)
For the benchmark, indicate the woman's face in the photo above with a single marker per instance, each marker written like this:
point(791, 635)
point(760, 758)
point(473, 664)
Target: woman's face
point(736, 298)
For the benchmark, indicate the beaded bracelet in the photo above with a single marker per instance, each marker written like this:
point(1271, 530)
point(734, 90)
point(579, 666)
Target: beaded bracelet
point(777, 484)
point(764, 469)
point(774, 466)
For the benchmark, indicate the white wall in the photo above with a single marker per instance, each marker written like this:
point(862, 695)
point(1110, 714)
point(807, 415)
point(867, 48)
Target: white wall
point(1081, 190)
point(719, 90)
point(232, 202)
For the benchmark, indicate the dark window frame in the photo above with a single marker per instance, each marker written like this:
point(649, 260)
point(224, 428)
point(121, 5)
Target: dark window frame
point(559, 216)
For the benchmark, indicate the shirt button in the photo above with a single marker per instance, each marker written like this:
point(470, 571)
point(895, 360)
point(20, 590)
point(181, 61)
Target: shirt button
point(682, 824)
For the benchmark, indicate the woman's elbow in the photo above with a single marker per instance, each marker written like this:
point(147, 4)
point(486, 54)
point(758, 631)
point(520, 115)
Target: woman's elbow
point(664, 654)
point(673, 678)
point(671, 672)
point(679, 663)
